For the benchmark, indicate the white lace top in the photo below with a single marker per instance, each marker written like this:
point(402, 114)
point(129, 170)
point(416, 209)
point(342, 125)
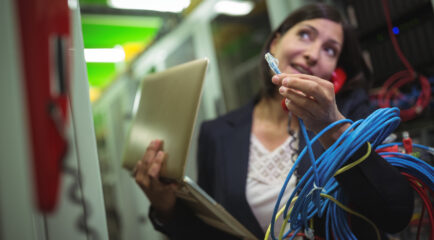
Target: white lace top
point(267, 172)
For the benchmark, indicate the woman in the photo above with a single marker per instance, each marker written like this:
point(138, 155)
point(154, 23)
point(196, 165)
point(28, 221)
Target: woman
point(243, 156)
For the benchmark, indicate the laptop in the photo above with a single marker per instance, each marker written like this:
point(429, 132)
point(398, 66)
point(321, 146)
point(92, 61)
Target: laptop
point(167, 110)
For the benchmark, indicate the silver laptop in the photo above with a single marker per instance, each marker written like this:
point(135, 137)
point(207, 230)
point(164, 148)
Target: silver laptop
point(167, 110)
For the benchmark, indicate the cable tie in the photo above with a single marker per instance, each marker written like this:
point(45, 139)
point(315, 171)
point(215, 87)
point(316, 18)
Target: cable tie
point(391, 138)
point(309, 232)
point(315, 188)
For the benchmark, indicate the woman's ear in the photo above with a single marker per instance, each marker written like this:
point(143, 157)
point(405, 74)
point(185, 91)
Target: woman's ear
point(274, 43)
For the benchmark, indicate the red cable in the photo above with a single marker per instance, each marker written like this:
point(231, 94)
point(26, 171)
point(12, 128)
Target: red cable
point(427, 203)
point(393, 39)
point(422, 212)
point(394, 83)
point(403, 77)
point(420, 188)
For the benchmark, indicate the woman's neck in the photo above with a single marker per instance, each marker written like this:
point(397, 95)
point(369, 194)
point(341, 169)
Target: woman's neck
point(270, 123)
point(270, 109)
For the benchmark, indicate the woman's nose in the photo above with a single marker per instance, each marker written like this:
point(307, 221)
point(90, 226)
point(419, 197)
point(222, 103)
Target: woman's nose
point(312, 54)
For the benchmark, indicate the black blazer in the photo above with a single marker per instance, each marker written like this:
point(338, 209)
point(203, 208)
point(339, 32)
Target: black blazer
point(375, 188)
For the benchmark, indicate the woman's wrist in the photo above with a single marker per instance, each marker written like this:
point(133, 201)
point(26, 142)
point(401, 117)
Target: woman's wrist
point(331, 136)
point(163, 215)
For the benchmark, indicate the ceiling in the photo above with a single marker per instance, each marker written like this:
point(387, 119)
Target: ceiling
point(132, 30)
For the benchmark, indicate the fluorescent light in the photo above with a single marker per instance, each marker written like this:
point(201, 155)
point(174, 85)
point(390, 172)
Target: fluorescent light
point(152, 5)
point(234, 8)
point(122, 20)
point(101, 55)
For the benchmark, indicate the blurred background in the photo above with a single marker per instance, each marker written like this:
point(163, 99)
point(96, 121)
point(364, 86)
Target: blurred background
point(231, 35)
point(123, 41)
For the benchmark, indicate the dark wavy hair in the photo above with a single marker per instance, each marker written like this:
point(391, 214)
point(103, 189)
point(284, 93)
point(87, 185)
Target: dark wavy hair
point(350, 58)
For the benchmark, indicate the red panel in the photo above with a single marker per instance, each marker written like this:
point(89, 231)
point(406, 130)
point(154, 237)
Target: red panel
point(45, 37)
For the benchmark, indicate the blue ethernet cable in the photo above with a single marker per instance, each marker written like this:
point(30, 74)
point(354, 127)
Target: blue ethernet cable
point(374, 129)
point(353, 138)
point(273, 63)
point(385, 122)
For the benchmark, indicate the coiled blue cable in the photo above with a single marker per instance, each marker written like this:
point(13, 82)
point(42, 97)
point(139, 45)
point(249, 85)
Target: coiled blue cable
point(412, 166)
point(303, 179)
point(374, 129)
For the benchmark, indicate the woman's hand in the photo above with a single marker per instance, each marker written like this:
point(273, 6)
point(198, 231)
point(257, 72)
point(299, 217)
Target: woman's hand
point(147, 171)
point(313, 100)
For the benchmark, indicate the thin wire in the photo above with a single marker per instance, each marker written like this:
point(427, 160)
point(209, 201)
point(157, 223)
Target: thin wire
point(339, 204)
point(374, 129)
point(345, 168)
point(419, 186)
point(267, 234)
point(355, 163)
point(419, 225)
point(393, 38)
point(347, 209)
point(313, 163)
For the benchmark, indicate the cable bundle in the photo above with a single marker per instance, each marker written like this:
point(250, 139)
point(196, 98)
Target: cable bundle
point(398, 80)
point(318, 193)
point(419, 173)
point(401, 78)
point(410, 164)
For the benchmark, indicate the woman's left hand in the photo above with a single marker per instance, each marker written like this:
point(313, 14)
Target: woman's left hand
point(311, 98)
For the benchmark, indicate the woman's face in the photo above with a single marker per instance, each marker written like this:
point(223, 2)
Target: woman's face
point(309, 47)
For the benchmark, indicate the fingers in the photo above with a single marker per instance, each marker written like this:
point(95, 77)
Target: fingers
point(148, 176)
point(278, 78)
point(162, 195)
point(155, 165)
point(141, 176)
point(302, 106)
point(156, 184)
point(316, 87)
point(151, 163)
point(311, 98)
point(319, 89)
point(152, 150)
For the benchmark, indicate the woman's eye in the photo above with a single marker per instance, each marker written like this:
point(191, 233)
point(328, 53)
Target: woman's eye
point(330, 51)
point(304, 35)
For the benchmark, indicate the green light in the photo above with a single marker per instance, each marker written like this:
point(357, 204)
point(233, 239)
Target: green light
point(100, 74)
point(107, 31)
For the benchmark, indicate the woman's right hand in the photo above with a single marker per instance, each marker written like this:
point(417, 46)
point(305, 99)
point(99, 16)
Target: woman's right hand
point(147, 172)
point(313, 100)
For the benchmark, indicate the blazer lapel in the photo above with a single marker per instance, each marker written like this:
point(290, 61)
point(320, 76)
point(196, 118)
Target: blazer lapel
point(236, 166)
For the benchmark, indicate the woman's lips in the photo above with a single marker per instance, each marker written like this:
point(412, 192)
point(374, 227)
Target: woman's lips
point(301, 69)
